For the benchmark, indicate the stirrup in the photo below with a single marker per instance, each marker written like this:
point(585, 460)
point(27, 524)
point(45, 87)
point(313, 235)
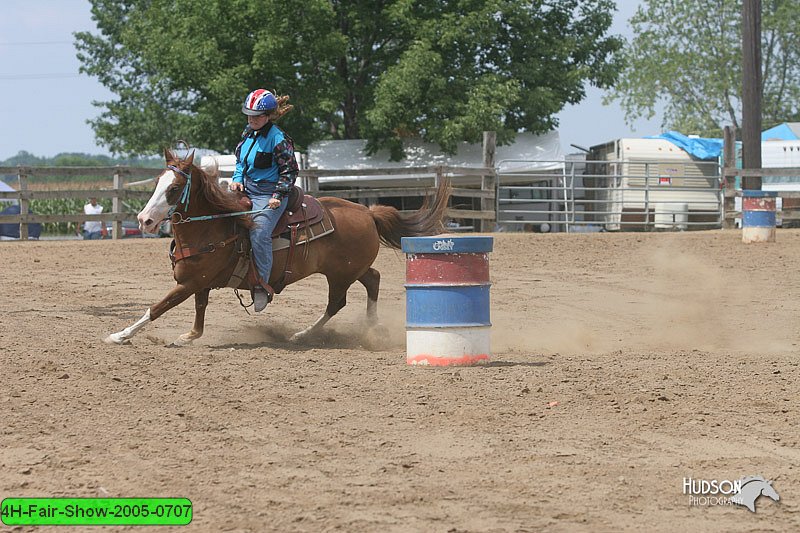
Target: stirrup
point(262, 295)
point(260, 299)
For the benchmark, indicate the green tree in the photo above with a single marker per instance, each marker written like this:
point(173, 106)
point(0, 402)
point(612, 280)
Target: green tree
point(686, 55)
point(384, 70)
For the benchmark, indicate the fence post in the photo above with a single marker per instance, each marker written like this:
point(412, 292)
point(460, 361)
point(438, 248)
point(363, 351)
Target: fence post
point(751, 93)
point(647, 199)
point(116, 204)
point(728, 180)
point(310, 184)
point(489, 182)
point(438, 176)
point(23, 203)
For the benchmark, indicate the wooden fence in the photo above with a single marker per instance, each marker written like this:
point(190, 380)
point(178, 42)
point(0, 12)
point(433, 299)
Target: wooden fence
point(117, 193)
point(790, 200)
point(121, 191)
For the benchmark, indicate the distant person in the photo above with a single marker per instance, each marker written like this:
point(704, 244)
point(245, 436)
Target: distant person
point(93, 229)
point(266, 170)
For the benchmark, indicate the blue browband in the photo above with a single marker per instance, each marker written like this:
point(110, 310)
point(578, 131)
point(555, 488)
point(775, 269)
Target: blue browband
point(184, 199)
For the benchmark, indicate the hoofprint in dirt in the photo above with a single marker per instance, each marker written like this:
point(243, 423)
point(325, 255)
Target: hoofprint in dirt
point(623, 364)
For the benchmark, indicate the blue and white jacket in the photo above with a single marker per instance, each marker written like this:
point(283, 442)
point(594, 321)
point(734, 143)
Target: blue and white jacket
point(266, 158)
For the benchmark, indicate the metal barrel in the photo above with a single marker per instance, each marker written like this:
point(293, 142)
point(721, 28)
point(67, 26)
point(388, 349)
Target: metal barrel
point(447, 300)
point(758, 216)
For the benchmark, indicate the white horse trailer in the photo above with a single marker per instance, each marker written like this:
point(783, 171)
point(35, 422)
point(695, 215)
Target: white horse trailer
point(640, 183)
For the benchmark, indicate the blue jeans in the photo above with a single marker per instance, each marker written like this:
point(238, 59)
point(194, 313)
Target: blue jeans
point(95, 235)
point(261, 233)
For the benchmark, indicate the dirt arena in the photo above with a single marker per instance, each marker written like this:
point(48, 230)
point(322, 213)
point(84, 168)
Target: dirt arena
point(623, 363)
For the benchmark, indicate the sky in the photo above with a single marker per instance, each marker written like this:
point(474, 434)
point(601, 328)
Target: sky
point(45, 103)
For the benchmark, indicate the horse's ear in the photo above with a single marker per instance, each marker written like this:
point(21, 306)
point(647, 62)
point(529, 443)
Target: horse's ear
point(189, 159)
point(168, 155)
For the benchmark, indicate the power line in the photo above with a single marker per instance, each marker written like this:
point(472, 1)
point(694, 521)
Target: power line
point(33, 43)
point(12, 77)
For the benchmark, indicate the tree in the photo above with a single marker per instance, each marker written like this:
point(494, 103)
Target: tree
point(687, 55)
point(385, 70)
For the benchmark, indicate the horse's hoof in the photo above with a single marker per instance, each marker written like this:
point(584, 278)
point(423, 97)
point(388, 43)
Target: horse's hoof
point(116, 338)
point(297, 337)
point(182, 341)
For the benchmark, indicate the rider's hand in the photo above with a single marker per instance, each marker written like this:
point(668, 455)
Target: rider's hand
point(274, 203)
point(235, 186)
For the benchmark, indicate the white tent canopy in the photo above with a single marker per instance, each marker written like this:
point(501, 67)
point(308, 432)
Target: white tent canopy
point(528, 153)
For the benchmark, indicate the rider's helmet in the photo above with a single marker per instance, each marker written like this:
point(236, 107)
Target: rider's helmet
point(259, 102)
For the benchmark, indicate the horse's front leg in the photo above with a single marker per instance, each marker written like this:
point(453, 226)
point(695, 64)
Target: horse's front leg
point(200, 304)
point(173, 298)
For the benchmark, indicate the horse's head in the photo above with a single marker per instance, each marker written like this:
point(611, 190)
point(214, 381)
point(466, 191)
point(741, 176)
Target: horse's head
point(173, 190)
point(768, 491)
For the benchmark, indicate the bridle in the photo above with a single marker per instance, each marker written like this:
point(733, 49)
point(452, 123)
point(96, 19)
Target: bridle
point(184, 197)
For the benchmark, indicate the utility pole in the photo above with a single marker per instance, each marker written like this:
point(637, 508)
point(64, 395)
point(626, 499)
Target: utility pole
point(751, 91)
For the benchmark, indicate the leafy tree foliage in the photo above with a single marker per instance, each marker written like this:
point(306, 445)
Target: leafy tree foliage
point(382, 69)
point(688, 56)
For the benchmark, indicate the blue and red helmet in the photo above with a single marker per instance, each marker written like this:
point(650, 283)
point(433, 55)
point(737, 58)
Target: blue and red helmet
point(259, 102)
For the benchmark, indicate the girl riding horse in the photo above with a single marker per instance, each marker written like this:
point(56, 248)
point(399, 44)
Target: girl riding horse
point(185, 192)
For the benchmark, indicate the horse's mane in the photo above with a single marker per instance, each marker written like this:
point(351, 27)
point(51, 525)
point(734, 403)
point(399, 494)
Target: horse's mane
point(748, 479)
point(219, 198)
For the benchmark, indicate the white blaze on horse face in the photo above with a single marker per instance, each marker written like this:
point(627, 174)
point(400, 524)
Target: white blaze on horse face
point(157, 207)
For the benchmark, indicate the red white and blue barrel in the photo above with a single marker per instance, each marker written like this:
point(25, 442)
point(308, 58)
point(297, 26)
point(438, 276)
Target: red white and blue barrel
point(758, 216)
point(447, 300)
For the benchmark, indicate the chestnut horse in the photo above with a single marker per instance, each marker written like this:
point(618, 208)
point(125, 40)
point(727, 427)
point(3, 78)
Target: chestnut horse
point(345, 256)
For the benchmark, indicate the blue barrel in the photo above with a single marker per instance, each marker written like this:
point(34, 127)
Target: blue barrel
point(447, 300)
point(758, 216)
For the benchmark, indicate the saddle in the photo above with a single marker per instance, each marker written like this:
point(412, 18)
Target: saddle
point(301, 211)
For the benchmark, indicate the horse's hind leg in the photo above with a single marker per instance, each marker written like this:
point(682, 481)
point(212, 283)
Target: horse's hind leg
point(337, 298)
point(371, 280)
point(200, 304)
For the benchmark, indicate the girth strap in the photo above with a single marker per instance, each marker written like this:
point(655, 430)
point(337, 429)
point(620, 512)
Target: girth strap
point(178, 253)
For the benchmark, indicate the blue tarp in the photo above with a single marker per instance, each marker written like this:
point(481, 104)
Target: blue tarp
point(782, 132)
point(701, 148)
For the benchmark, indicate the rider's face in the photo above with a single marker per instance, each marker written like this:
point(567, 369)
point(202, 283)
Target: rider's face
point(257, 122)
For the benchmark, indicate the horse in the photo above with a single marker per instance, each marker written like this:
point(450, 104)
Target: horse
point(210, 221)
point(752, 488)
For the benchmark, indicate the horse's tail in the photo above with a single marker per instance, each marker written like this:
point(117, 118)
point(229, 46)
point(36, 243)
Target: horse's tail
point(393, 225)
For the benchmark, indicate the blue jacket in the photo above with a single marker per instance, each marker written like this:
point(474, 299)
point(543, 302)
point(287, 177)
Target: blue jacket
point(266, 158)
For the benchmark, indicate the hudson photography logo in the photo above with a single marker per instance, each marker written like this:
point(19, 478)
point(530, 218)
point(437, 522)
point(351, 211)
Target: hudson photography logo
point(744, 491)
